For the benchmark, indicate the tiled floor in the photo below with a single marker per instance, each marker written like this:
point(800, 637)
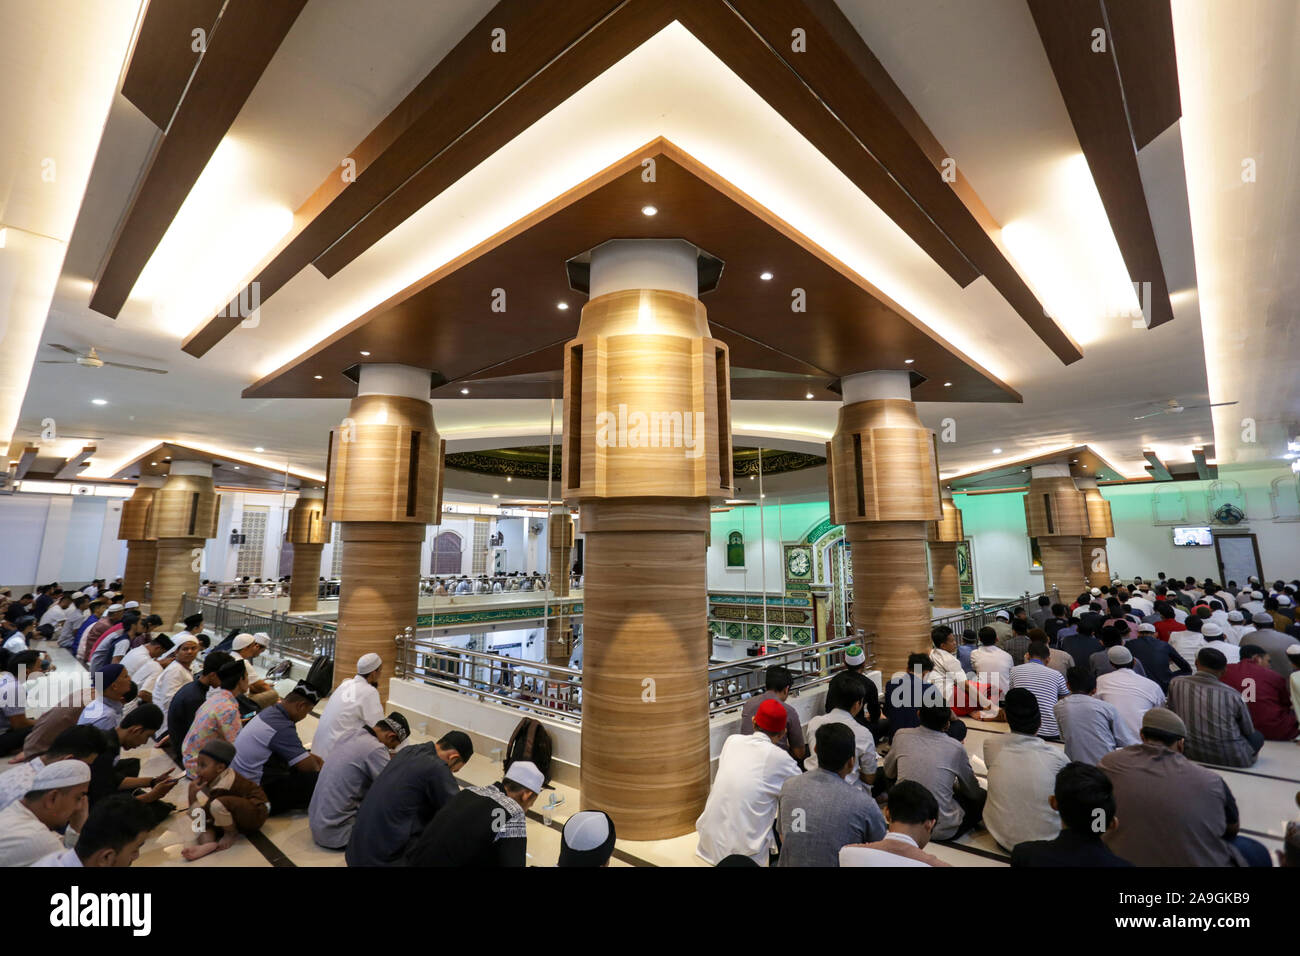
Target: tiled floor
point(1266, 795)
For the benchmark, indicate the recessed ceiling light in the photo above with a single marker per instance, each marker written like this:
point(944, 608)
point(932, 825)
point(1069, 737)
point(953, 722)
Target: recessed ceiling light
point(765, 276)
point(752, 477)
point(236, 468)
point(259, 448)
point(562, 306)
point(464, 391)
point(153, 464)
point(762, 496)
point(997, 451)
point(364, 352)
point(509, 478)
point(908, 361)
point(648, 210)
point(947, 384)
point(318, 377)
point(99, 401)
point(496, 496)
point(809, 395)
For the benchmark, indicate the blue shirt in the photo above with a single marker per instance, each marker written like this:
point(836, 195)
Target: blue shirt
point(271, 732)
point(102, 713)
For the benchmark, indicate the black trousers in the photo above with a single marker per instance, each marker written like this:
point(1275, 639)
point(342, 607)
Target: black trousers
point(11, 740)
point(286, 788)
point(972, 809)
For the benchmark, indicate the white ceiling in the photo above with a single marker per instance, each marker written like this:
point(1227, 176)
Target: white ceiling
point(975, 72)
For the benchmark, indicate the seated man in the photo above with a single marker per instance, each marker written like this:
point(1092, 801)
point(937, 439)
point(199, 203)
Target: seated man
point(56, 801)
point(1045, 683)
point(1090, 727)
point(1219, 728)
point(1130, 694)
point(777, 681)
point(1022, 771)
point(1159, 660)
point(844, 700)
point(187, 701)
point(1082, 644)
point(269, 752)
point(992, 665)
point(231, 803)
point(913, 813)
point(75, 743)
point(1112, 636)
point(588, 840)
point(742, 803)
point(115, 830)
point(416, 784)
point(111, 774)
point(1085, 800)
point(141, 662)
point(247, 647)
point(354, 704)
point(818, 814)
point(933, 759)
point(486, 826)
point(15, 725)
point(871, 715)
point(948, 674)
point(1169, 811)
point(354, 764)
point(907, 692)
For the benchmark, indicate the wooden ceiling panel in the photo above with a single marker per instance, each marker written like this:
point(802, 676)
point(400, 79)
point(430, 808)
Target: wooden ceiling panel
point(1084, 462)
point(446, 322)
point(238, 50)
point(1094, 97)
point(165, 55)
point(227, 470)
point(1142, 32)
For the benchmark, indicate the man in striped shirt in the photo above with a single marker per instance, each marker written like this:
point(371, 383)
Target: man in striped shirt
point(1219, 728)
point(1044, 683)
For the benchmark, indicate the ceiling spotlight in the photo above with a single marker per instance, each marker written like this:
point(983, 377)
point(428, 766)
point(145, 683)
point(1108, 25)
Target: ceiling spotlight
point(765, 276)
point(562, 306)
point(997, 451)
point(509, 478)
point(809, 395)
point(99, 401)
point(464, 391)
point(908, 361)
point(364, 352)
point(947, 384)
point(648, 210)
point(236, 468)
point(259, 448)
point(153, 464)
point(752, 477)
point(496, 496)
point(318, 377)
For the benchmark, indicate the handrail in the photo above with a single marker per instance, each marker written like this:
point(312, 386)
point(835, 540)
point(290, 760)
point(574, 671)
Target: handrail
point(978, 617)
point(292, 637)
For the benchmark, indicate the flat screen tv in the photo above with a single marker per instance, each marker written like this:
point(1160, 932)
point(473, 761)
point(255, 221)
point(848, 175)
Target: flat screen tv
point(1193, 538)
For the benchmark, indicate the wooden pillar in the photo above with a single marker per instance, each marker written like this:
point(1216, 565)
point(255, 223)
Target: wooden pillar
point(1096, 562)
point(945, 535)
point(182, 516)
point(385, 470)
point(1056, 515)
point(884, 489)
point(647, 447)
point(308, 533)
point(559, 632)
point(141, 550)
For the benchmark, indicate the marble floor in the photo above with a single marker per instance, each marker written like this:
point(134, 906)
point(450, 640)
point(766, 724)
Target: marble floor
point(1266, 795)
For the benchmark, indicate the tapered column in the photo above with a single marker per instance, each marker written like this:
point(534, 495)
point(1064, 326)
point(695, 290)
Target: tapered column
point(141, 550)
point(182, 516)
point(309, 532)
point(647, 447)
point(1096, 562)
point(945, 535)
point(385, 469)
point(559, 631)
point(1055, 514)
point(884, 488)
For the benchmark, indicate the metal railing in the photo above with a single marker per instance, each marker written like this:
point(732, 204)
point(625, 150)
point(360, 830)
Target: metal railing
point(248, 590)
point(555, 691)
point(294, 638)
point(984, 614)
point(487, 584)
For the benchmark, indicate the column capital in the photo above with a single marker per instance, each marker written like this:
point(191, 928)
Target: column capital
point(404, 381)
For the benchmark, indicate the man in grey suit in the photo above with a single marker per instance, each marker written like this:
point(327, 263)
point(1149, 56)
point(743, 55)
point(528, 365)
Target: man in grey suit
point(820, 811)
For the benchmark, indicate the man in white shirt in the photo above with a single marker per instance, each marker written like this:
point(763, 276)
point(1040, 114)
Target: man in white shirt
point(1252, 607)
point(1022, 771)
point(175, 674)
point(1141, 603)
point(1217, 638)
point(353, 705)
point(1236, 628)
point(948, 674)
point(913, 812)
point(992, 665)
point(1187, 642)
point(1129, 693)
point(141, 662)
point(743, 802)
point(57, 799)
point(72, 619)
point(114, 832)
point(52, 620)
point(247, 647)
point(845, 698)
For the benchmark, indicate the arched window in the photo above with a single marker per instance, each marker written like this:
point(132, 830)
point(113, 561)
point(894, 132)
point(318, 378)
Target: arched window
point(735, 550)
point(446, 553)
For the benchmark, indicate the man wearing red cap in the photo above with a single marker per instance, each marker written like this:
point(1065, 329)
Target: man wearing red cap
point(742, 806)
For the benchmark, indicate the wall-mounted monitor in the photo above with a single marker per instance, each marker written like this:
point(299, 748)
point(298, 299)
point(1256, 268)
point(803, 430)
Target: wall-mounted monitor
point(1193, 537)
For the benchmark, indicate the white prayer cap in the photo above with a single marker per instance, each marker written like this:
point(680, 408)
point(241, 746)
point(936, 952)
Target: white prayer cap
point(1210, 629)
point(1146, 628)
point(262, 639)
point(1003, 615)
point(61, 773)
point(1257, 595)
point(1292, 650)
point(1236, 617)
point(1119, 655)
point(130, 604)
point(77, 594)
point(1284, 600)
point(242, 641)
point(114, 608)
point(1081, 610)
point(526, 774)
point(854, 655)
point(179, 641)
point(369, 663)
point(1096, 591)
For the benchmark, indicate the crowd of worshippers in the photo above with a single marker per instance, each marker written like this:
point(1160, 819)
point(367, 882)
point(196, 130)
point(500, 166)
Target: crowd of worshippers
point(1113, 704)
point(70, 798)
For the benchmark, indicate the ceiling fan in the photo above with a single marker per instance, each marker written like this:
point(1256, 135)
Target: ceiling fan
point(1172, 408)
point(91, 359)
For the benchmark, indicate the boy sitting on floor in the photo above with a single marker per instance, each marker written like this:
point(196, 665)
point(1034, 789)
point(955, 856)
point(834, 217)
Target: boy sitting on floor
point(230, 804)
